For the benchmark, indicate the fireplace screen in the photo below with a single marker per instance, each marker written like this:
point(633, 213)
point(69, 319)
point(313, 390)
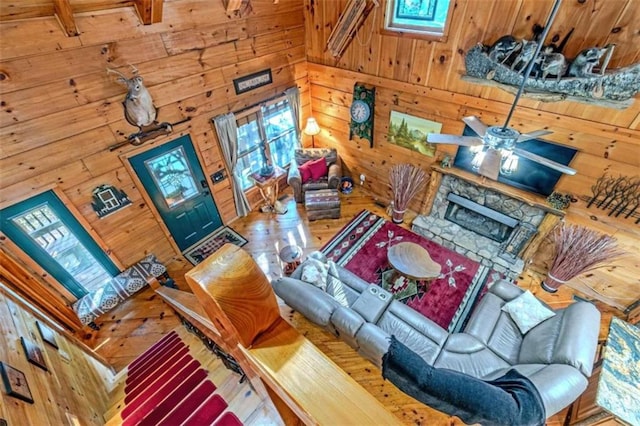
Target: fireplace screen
point(479, 219)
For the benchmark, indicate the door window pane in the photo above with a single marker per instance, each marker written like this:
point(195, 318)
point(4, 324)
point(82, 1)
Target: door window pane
point(173, 177)
point(44, 227)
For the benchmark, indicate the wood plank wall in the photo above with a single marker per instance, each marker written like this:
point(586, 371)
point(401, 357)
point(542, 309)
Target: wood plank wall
point(61, 111)
point(74, 383)
point(422, 78)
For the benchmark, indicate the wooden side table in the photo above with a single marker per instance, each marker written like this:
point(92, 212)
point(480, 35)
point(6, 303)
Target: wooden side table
point(269, 187)
point(291, 257)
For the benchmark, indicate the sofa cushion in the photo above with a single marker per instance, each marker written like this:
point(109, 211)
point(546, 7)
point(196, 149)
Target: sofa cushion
point(297, 294)
point(463, 352)
point(571, 337)
point(347, 322)
point(418, 332)
point(527, 311)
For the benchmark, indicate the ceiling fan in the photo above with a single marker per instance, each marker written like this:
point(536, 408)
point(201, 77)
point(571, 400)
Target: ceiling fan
point(496, 146)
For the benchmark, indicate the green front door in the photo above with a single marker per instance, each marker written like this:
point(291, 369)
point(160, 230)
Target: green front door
point(173, 178)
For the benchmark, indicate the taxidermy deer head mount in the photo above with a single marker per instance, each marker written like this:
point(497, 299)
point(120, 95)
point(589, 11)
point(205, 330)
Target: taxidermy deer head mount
point(138, 105)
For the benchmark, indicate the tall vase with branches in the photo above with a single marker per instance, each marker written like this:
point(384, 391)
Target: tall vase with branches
point(578, 250)
point(405, 181)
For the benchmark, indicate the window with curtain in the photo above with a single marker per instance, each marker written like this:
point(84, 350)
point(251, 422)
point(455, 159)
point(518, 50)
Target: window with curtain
point(418, 17)
point(266, 133)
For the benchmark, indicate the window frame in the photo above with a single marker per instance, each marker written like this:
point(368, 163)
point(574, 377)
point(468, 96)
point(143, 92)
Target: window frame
point(262, 130)
point(388, 27)
point(38, 257)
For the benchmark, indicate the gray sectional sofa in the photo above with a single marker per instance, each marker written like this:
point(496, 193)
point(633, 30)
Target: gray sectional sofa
point(556, 355)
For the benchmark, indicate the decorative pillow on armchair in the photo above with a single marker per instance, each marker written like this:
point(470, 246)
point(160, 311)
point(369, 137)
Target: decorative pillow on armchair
point(318, 168)
point(527, 311)
point(305, 172)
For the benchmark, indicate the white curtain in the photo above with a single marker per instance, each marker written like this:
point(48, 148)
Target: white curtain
point(293, 96)
point(227, 130)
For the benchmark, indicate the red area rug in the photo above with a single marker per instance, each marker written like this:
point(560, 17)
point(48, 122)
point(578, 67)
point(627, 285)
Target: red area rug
point(361, 247)
point(167, 386)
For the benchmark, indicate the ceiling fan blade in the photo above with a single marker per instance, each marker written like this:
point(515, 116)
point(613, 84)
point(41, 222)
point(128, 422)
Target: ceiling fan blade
point(544, 161)
point(533, 135)
point(478, 126)
point(454, 139)
point(490, 166)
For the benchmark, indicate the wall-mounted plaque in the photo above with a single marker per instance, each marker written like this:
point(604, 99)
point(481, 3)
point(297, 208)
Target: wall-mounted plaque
point(252, 81)
point(107, 199)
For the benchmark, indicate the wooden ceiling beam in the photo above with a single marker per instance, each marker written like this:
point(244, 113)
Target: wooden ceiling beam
point(149, 11)
point(64, 15)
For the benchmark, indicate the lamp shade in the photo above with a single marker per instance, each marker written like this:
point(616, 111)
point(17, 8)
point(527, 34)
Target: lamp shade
point(312, 127)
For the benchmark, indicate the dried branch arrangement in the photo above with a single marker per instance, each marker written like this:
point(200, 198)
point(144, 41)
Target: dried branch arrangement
point(577, 250)
point(620, 195)
point(406, 181)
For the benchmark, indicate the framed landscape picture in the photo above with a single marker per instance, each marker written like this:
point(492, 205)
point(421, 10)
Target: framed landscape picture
point(411, 132)
point(47, 334)
point(33, 353)
point(15, 383)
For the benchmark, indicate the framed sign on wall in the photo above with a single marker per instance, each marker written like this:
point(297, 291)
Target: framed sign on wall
point(252, 81)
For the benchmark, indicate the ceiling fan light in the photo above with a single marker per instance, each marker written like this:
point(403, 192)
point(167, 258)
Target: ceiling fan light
point(509, 164)
point(477, 160)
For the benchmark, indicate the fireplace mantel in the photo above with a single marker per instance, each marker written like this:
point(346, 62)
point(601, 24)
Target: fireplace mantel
point(437, 172)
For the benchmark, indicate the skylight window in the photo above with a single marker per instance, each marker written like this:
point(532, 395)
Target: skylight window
point(420, 18)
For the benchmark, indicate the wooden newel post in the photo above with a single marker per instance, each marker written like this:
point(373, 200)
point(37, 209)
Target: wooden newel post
point(235, 294)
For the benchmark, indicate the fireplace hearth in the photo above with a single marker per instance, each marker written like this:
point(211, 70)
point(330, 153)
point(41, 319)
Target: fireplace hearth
point(482, 223)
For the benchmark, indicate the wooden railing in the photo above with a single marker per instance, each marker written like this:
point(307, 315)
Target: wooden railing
point(233, 305)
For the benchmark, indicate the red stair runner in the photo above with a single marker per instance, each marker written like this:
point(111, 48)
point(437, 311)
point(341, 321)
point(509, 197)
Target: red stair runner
point(167, 386)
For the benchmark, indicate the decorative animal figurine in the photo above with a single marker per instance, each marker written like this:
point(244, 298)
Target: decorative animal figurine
point(582, 65)
point(138, 105)
point(554, 64)
point(525, 55)
point(502, 49)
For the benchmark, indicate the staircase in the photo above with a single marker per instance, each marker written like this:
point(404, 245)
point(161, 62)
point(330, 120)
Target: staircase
point(169, 385)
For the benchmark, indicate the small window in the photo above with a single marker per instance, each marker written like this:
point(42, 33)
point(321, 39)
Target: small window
point(420, 18)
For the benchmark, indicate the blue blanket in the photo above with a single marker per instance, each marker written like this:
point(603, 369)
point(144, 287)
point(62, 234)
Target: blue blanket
point(508, 400)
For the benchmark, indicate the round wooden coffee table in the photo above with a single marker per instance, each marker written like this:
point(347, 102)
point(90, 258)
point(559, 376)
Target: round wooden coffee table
point(412, 261)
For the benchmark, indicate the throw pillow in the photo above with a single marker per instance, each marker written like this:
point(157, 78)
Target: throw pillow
point(305, 172)
point(527, 311)
point(315, 272)
point(318, 168)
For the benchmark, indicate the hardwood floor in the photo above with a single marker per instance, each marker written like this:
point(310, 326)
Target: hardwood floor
point(135, 325)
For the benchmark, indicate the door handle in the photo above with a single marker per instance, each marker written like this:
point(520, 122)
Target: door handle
point(203, 184)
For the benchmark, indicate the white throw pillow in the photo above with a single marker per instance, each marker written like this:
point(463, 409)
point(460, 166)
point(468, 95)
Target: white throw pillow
point(527, 311)
point(315, 272)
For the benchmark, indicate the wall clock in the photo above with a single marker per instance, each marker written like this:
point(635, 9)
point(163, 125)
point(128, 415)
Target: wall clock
point(361, 112)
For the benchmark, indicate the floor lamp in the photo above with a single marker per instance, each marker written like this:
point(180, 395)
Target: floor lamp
point(312, 129)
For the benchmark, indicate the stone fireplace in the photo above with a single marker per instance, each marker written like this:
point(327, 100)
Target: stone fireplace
point(483, 220)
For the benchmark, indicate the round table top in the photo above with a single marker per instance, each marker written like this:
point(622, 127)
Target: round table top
point(290, 253)
point(413, 261)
